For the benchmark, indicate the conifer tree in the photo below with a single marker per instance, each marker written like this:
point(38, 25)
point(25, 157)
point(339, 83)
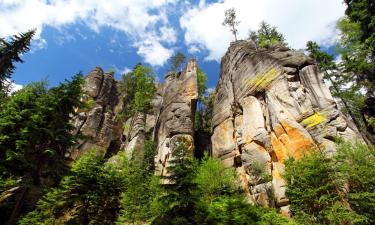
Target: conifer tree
point(35, 135)
point(177, 61)
point(88, 195)
point(179, 201)
point(10, 53)
point(231, 22)
point(266, 35)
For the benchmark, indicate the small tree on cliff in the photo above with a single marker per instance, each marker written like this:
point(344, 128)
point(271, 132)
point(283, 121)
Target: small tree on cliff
point(137, 89)
point(177, 61)
point(230, 21)
point(266, 35)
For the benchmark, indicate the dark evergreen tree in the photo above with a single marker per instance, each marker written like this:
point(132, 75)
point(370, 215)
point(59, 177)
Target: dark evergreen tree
point(177, 62)
point(140, 192)
point(35, 135)
point(90, 194)
point(179, 201)
point(266, 36)
point(316, 192)
point(10, 53)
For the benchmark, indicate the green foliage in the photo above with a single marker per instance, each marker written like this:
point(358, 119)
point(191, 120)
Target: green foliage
point(10, 53)
point(356, 46)
point(231, 22)
point(233, 209)
point(266, 36)
point(137, 89)
point(202, 79)
point(177, 61)
point(356, 167)
point(35, 130)
point(338, 190)
point(200, 118)
point(352, 99)
point(362, 12)
point(258, 170)
point(141, 188)
point(178, 186)
point(213, 179)
point(89, 195)
point(311, 186)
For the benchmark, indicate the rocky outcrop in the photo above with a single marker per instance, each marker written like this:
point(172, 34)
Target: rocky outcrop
point(271, 104)
point(96, 122)
point(174, 112)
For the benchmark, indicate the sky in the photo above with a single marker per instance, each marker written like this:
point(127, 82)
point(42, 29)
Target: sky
point(76, 35)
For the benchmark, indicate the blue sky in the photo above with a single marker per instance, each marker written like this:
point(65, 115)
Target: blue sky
point(77, 35)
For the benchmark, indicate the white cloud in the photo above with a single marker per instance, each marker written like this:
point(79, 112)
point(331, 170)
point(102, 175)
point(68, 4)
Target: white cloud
point(38, 44)
point(14, 87)
point(210, 89)
point(153, 52)
point(125, 70)
point(300, 21)
point(136, 18)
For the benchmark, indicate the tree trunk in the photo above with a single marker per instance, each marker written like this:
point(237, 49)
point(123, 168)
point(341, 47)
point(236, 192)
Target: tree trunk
point(17, 208)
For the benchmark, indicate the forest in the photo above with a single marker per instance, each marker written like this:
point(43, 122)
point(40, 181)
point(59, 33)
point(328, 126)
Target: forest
point(41, 184)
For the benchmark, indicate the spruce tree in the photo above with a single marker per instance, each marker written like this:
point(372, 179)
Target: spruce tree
point(90, 194)
point(177, 61)
point(266, 36)
point(35, 135)
point(178, 186)
point(10, 53)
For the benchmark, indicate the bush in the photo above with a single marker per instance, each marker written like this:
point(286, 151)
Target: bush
point(338, 190)
point(89, 195)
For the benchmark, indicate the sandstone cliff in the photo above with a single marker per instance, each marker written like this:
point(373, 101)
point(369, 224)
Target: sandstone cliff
point(269, 105)
point(97, 122)
point(175, 117)
point(172, 116)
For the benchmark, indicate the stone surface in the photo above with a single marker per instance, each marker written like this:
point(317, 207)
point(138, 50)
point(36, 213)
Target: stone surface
point(271, 104)
point(174, 109)
point(97, 124)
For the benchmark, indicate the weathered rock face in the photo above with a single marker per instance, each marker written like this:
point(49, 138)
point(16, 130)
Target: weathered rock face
point(172, 116)
point(174, 107)
point(97, 123)
point(269, 105)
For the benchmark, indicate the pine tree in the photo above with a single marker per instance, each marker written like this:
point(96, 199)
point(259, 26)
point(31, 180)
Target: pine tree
point(177, 61)
point(266, 36)
point(35, 135)
point(90, 194)
point(137, 199)
point(315, 191)
point(10, 53)
point(231, 22)
point(179, 201)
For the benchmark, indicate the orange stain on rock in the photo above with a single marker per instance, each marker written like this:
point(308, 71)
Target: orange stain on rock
point(289, 141)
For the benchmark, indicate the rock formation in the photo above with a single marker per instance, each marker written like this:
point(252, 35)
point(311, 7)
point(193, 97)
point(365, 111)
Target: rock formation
point(175, 115)
point(96, 122)
point(172, 116)
point(271, 104)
